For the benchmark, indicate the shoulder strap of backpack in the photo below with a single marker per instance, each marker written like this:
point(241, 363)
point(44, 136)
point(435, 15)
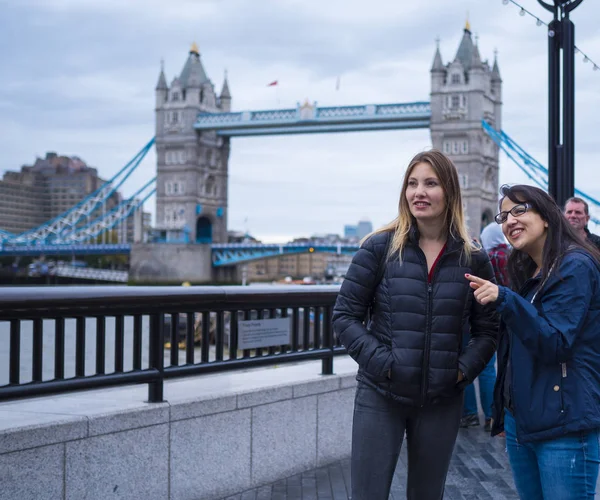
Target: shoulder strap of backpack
point(383, 260)
point(380, 273)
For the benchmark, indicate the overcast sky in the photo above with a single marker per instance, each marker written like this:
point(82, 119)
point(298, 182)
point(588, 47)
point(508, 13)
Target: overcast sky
point(79, 78)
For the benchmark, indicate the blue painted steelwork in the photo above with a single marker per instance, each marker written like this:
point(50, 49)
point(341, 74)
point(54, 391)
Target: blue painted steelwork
point(8, 250)
point(533, 169)
point(5, 236)
point(111, 219)
point(309, 118)
point(224, 254)
point(65, 223)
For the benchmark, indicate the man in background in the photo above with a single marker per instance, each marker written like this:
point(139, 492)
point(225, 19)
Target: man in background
point(577, 213)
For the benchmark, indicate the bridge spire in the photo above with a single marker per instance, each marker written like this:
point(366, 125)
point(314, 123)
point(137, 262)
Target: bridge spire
point(496, 70)
point(438, 64)
point(225, 97)
point(193, 74)
point(475, 57)
point(225, 90)
point(162, 81)
point(465, 49)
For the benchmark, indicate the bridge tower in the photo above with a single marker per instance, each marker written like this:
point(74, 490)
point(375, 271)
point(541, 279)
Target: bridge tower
point(463, 93)
point(191, 199)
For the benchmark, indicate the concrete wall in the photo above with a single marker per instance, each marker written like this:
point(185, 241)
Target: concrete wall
point(95, 446)
point(170, 263)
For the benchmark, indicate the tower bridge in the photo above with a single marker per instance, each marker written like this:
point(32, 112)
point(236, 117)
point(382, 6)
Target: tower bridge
point(195, 125)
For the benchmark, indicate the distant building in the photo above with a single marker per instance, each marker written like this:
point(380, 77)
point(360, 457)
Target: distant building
point(316, 265)
point(240, 237)
point(364, 228)
point(350, 231)
point(358, 232)
point(295, 265)
point(125, 232)
point(48, 188)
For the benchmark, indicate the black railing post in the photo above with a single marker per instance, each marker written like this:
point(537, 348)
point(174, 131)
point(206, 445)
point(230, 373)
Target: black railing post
point(59, 348)
point(100, 345)
point(15, 351)
point(327, 362)
point(137, 341)
point(119, 342)
point(174, 339)
point(80, 346)
point(38, 349)
point(157, 357)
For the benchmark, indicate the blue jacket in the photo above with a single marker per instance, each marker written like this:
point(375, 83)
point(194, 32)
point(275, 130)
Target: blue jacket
point(555, 352)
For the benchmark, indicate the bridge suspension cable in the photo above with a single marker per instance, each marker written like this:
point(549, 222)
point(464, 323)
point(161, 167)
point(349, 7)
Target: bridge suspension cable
point(5, 236)
point(532, 168)
point(116, 216)
point(55, 229)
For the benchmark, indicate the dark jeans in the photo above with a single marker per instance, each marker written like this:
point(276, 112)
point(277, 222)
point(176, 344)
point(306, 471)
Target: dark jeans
point(377, 435)
point(565, 468)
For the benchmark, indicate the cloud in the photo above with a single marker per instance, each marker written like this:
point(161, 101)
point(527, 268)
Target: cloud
point(82, 82)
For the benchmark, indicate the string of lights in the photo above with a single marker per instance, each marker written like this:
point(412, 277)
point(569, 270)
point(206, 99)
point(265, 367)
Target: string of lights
point(523, 11)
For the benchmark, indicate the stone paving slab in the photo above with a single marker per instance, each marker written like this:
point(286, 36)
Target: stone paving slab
point(479, 471)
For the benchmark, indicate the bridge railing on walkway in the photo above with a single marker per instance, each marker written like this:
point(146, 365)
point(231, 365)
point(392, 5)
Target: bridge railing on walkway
point(70, 338)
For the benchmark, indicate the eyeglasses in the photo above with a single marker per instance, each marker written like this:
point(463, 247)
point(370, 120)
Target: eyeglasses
point(515, 211)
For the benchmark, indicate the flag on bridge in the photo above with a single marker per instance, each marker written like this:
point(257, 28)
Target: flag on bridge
point(273, 83)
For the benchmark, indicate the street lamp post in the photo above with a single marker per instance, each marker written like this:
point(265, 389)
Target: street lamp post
point(561, 156)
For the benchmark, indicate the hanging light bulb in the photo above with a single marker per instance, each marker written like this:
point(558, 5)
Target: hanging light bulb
point(522, 13)
point(539, 22)
point(505, 2)
point(595, 68)
point(585, 59)
point(576, 50)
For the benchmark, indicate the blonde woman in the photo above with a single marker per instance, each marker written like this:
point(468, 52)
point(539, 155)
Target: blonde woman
point(410, 277)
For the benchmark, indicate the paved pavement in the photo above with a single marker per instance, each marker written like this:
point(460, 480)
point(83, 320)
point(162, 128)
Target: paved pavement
point(479, 471)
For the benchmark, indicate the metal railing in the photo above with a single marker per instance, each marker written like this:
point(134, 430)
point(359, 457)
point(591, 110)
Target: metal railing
point(63, 339)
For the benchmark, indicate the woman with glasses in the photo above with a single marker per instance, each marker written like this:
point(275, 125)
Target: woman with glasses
point(410, 276)
point(547, 394)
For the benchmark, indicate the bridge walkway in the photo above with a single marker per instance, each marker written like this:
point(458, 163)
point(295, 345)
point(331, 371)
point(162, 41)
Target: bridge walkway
point(479, 471)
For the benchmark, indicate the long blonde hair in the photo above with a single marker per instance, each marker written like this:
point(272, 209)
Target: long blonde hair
point(455, 220)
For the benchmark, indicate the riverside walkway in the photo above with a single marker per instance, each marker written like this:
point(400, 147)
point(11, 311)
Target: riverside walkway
point(479, 471)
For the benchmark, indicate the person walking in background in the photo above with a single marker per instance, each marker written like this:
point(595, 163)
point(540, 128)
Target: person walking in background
point(494, 243)
point(409, 277)
point(548, 387)
point(577, 212)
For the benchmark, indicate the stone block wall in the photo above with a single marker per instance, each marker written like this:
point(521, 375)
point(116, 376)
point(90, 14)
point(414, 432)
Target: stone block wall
point(203, 448)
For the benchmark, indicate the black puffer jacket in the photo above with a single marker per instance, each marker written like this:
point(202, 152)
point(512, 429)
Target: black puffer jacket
point(416, 327)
